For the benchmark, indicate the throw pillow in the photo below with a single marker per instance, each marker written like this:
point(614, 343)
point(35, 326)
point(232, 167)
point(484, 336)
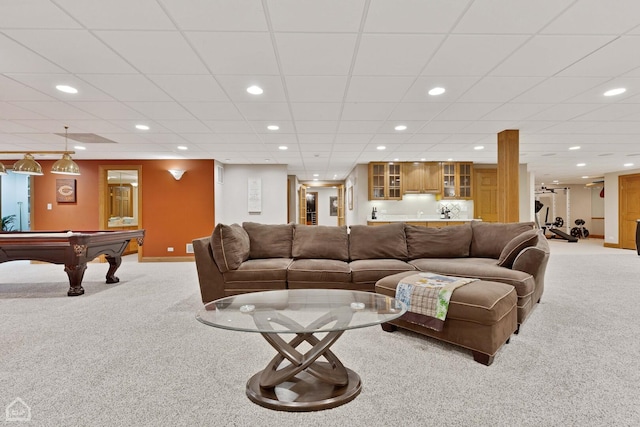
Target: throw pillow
point(515, 245)
point(230, 246)
point(320, 241)
point(445, 242)
point(378, 241)
point(269, 240)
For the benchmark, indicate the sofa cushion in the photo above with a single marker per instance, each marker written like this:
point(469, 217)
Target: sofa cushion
point(319, 271)
point(259, 270)
point(320, 242)
point(444, 242)
point(269, 240)
point(380, 241)
point(230, 246)
point(515, 245)
point(489, 239)
point(369, 271)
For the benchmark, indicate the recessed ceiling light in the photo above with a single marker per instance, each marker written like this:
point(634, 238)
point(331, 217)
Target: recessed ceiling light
point(576, 147)
point(142, 127)
point(381, 147)
point(255, 90)
point(267, 160)
point(66, 89)
point(585, 177)
point(79, 147)
point(396, 160)
point(422, 159)
point(437, 91)
point(555, 181)
point(182, 147)
point(449, 160)
point(400, 127)
point(616, 91)
point(283, 147)
point(315, 179)
point(479, 147)
point(316, 174)
point(581, 165)
point(626, 165)
point(273, 127)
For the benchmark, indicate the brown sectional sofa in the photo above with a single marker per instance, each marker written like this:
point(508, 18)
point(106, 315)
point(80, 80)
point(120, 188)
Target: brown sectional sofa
point(255, 257)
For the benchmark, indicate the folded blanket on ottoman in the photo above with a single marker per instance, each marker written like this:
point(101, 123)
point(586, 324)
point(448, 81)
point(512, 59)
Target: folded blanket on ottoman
point(427, 297)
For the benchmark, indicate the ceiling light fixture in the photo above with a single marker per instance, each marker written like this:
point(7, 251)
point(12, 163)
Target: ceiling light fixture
point(316, 174)
point(479, 147)
point(614, 92)
point(626, 165)
point(182, 147)
point(27, 166)
point(3, 170)
point(255, 90)
point(142, 127)
point(79, 147)
point(283, 147)
point(65, 166)
point(273, 127)
point(437, 91)
point(577, 147)
point(381, 147)
point(581, 165)
point(66, 89)
point(400, 127)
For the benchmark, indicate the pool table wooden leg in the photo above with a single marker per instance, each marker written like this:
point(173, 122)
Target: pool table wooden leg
point(114, 263)
point(75, 273)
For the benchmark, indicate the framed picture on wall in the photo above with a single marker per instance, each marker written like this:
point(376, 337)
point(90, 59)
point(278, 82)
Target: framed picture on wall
point(333, 206)
point(65, 190)
point(350, 197)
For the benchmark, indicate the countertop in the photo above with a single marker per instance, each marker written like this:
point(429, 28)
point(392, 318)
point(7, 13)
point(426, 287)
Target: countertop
point(408, 219)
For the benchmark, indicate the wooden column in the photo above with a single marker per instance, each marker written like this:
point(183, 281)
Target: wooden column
point(508, 176)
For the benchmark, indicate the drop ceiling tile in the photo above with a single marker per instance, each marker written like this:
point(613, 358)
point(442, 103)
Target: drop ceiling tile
point(252, 53)
point(547, 55)
point(17, 59)
point(349, 149)
point(316, 126)
point(514, 111)
point(207, 15)
point(316, 110)
point(306, 54)
point(108, 110)
point(558, 89)
point(264, 110)
point(54, 110)
point(413, 16)
point(327, 16)
point(509, 17)
point(499, 89)
point(231, 126)
point(71, 48)
point(322, 139)
point(213, 110)
point(46, 83)
point(612, 59)
point(185, 126)
point(14, 126)
point(378, 88)
point(189, 88)
point(203, 139)
point(444, 126)
point(359, 126)
point(596, 93)
point(161, 110)
point(419, 111)
point(467, 111)
point(118, 14)
point(286, 139)
point(596, 17)
point(353, 138)
point(367, 110)
point(154, 52)
point(11, 90)
point(316, 88)
point(126, 87)
point(565, 112)
point(427, 138)
point(394, 54)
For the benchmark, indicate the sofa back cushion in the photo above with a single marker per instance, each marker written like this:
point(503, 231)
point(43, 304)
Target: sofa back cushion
point(444, 242)
point(379, 241)
point(515, 245)
point(269, 240)
point(320, 241)
point(230, 246)
point(490, 238)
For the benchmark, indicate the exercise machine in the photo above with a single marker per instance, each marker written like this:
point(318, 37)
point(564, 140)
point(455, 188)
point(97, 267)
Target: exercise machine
point(553, 227)
point(579, 230)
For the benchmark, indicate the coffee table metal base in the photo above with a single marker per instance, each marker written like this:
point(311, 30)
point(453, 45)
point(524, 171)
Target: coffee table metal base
point(304, 392)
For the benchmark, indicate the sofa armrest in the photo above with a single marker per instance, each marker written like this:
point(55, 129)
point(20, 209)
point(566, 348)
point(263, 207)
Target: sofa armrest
point(209, 275)
point(533, 260)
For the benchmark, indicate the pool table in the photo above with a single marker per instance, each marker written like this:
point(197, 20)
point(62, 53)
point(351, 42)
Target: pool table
point(71, 248)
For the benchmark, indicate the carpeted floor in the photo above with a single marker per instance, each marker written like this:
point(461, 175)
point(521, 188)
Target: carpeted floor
point(132, 354)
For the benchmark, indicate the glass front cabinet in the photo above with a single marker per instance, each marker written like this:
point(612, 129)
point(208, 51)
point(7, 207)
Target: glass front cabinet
point(456, 180)
point(385, 181)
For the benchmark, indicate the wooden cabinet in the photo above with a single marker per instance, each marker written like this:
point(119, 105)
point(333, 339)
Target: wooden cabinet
point(421, 177)
point(385, 181)
point(456, 180)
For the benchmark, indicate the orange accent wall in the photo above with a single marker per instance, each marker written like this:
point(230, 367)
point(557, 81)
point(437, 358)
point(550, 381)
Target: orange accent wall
point(173, 212)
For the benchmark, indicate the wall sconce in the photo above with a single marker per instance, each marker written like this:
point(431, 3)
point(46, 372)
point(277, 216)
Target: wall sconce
point(176, 173)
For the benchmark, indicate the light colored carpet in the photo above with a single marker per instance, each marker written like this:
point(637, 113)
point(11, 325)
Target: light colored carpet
point(132, 354)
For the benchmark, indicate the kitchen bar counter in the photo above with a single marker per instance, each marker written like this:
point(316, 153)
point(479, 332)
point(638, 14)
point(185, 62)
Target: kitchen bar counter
point(424, 222)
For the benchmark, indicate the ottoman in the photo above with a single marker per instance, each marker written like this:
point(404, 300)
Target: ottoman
point(482, 316)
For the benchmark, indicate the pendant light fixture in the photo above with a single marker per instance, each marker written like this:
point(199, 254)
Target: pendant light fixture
point(3, 170)
point(65, 166)
point(27, 166)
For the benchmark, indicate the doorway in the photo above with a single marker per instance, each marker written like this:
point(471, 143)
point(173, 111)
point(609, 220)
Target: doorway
point(326, 203)
point(120, 189)
point(15, 201)
point(312, 208)
point(629, 209)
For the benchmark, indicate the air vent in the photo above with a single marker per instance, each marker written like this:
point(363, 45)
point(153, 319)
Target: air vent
point(633, 155)
point(88, 138)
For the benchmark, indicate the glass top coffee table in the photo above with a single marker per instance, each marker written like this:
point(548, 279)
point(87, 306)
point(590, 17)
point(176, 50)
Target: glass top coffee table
point(293, 380)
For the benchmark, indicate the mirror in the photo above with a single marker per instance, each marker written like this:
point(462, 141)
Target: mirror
point(122, 206)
